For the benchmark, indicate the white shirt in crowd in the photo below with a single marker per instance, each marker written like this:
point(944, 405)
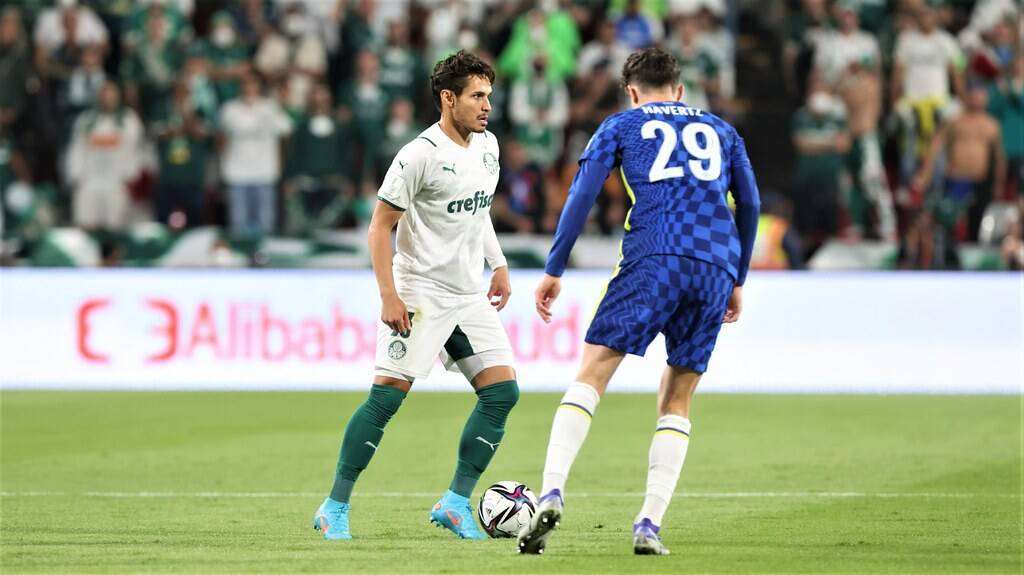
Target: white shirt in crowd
point(838, 51)
point(105, 149)
point(50, 34)
point(252, 133)
point(926, 60)
point(446, 232)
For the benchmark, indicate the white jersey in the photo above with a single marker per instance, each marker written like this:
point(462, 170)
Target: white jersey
point(446, 192)
point(926, 59)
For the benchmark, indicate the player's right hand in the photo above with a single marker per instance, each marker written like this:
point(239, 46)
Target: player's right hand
point(545, 294)
point(395, 315)
point(735, 306)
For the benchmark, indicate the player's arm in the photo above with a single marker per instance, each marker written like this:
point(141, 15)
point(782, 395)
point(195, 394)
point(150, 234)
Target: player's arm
point(748, 209)
point(401, 183)
point(501, 285)
point(582, 193)
point(393, 312)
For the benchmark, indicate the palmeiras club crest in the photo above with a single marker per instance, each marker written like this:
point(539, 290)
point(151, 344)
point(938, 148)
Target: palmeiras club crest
point(491, 163)
point(396, 350)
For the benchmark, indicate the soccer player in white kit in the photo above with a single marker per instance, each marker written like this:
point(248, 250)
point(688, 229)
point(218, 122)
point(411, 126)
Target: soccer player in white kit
point(433, 300)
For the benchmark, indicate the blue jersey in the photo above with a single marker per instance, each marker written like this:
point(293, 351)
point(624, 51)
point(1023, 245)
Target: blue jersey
point(678, 164)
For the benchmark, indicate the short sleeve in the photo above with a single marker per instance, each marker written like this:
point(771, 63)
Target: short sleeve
point(404, 177)
point(604, 144)
point(900, 51)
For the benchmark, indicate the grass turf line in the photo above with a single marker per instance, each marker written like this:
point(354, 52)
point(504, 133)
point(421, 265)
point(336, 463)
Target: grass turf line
point(965, 450)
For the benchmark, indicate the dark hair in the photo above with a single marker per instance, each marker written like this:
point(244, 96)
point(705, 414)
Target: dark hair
point(650, 68)
point(454, 72)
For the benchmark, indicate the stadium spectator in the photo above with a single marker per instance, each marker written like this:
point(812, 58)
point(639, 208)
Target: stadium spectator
point(15, 67)
point(606, 49)
point(547, 33)
point(103, 159)
point(401, 129)
point(202, 89)
point(849, 63)
point(183, 134)
point(402, 71)
point(777, 246)
point(65, 28)
point(975, 164)
point(521, 204)
point(153, 58)
point(364, 101)
point(83, 84)
point(698, 69)
point(539, 111)
point(638, 29)
point(1006, 105)
point(357, 35)
point(291, 53)
point(1011, 251)
point(227, 56)
point(318, 189)
point(804, 28)
point(821, 138)
point(251, 129)
point(926, 57)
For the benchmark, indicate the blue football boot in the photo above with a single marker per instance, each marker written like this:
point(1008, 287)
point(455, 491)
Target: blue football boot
point(646, 540)
point(533, 538)
point(455, 513)
point(331, 519)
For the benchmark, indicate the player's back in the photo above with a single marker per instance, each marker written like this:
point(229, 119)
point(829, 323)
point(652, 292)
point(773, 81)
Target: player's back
point(677, 163)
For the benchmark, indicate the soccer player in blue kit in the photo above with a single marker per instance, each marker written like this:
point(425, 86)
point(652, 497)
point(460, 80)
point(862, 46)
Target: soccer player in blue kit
point(685, 257)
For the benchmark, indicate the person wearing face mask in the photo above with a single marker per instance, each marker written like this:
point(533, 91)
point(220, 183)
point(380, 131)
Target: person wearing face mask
point(821, 138)
point(318, 176)
point(227, 55)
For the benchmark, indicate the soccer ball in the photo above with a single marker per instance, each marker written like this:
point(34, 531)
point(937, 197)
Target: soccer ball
point(505, 508)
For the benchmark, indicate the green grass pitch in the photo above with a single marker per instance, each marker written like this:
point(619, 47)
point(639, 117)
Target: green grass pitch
point(228, 482)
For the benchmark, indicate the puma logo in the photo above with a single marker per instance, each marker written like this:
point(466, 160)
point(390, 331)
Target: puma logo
point(402, 164)
point(493, 446)
point(448, 169)
point(371, 445)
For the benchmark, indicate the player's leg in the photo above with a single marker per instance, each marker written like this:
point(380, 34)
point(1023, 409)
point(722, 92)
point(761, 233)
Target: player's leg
point(494, 381)
point(358, 445)
point(666, 456)
point(615, 330)
point(400, 358)
point(497, 393)
point(575, 412)
point(690, 337)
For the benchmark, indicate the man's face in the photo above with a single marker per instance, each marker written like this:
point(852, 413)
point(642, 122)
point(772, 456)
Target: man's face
point(110, 97)
point(473, 106)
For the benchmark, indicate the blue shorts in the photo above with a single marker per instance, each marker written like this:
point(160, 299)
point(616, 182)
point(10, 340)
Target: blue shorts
point(683, 298)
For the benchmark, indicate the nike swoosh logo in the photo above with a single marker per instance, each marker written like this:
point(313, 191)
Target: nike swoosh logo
point(371, 445)
point(493, 446)
point(454, 517)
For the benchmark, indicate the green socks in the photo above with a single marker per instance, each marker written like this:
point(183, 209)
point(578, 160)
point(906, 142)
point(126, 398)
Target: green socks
point(482, 434)
point(362, 437)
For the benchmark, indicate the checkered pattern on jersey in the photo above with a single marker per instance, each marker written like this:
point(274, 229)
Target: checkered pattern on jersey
point(681, 297)
point(685, 215)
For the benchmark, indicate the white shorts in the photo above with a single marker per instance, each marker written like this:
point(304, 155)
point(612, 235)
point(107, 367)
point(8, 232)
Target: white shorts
point(465, 332)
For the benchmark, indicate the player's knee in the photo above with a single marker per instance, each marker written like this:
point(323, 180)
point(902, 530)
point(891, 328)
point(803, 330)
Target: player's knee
point(500, 396)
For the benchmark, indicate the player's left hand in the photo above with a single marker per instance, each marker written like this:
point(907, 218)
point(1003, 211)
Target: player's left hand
point(501, 288)
point(735, 306)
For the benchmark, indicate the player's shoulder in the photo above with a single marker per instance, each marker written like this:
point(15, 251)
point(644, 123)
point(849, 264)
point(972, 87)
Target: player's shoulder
point(423, 147)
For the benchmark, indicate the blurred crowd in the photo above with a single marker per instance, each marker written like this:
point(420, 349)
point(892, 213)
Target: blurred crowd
point(910, 126)
point(280, 117)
